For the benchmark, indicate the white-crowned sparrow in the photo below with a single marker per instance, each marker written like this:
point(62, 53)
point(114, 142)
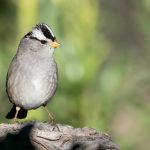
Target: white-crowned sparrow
point(32, 76)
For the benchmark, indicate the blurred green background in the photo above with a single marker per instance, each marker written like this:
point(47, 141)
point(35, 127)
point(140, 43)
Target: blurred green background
point(104, 63)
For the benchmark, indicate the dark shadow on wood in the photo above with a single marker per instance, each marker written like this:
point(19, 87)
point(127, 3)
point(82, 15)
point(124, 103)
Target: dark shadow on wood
point(18, 141)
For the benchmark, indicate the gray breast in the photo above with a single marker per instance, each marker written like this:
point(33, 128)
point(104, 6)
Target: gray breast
point(32, 81)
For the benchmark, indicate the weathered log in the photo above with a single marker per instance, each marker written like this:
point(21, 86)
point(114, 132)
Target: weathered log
point(45, 136)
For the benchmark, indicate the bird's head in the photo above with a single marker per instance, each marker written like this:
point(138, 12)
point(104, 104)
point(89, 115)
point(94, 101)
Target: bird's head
point(43, 35)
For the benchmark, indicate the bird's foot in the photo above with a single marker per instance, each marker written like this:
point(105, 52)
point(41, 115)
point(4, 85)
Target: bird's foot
point(14, 121)
point(54, 124)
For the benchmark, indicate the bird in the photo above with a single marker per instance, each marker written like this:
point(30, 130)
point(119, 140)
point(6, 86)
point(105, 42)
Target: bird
point(32, 76)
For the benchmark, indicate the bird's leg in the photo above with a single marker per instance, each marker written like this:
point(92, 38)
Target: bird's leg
point(51, 118)
point(49, 114)
point(17, 110)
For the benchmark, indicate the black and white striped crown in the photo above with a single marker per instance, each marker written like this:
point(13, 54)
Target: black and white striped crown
point(46, 30)
point(42, 31)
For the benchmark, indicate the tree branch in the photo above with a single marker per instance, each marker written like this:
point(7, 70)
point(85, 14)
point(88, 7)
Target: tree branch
point(44, 136)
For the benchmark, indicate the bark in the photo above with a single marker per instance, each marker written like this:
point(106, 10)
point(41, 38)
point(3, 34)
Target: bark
point(44, 136)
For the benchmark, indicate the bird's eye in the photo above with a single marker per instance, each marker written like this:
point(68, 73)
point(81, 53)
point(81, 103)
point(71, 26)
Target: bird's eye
point(43, 41)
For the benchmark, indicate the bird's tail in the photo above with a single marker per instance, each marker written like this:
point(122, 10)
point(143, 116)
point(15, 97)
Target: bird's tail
point(21, 114)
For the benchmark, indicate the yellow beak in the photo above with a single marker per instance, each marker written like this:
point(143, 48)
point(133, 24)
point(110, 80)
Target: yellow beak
point(54, 44)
